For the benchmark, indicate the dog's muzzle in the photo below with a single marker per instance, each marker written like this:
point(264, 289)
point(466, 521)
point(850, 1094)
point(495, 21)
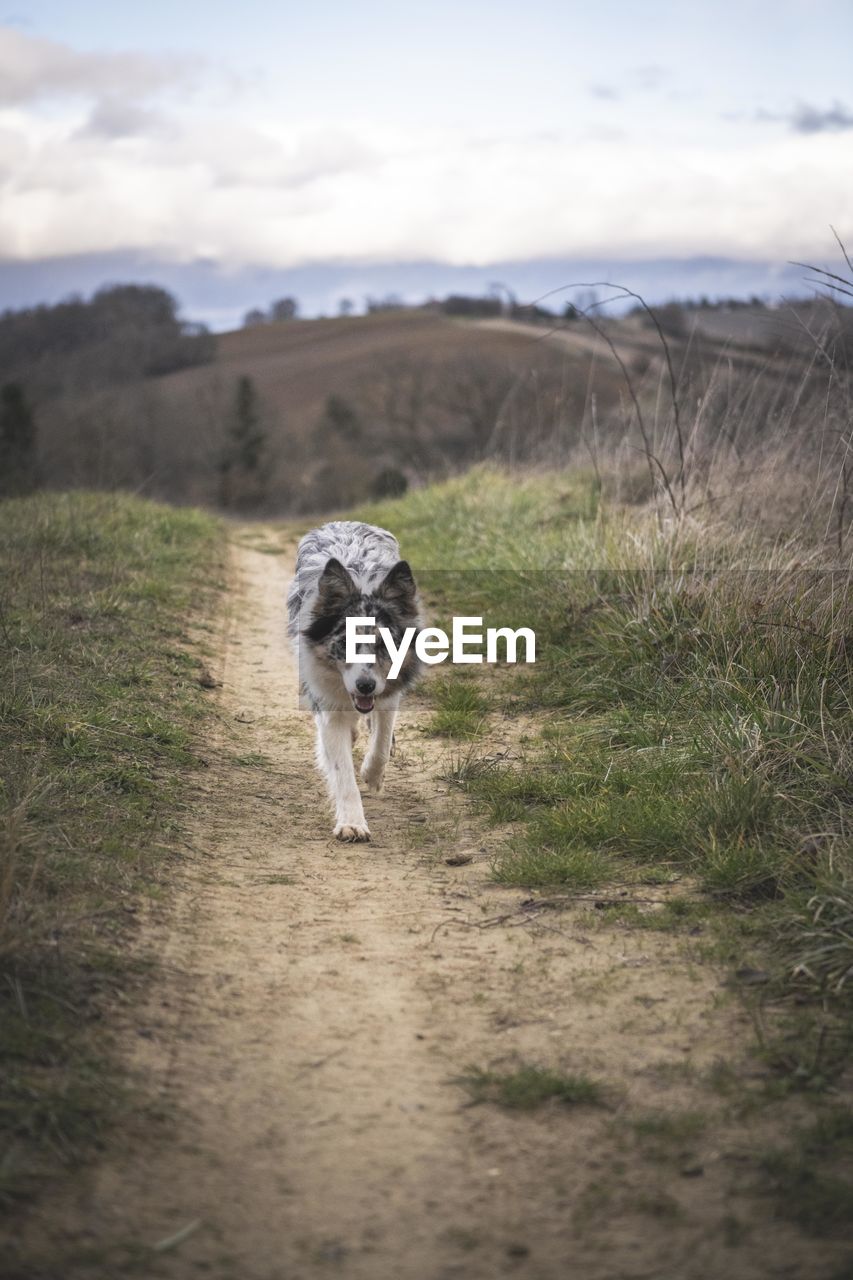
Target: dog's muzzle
point(363, 696)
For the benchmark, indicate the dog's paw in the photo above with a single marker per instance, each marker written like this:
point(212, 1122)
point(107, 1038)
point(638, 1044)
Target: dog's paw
point(373, 775)
point(352, 832)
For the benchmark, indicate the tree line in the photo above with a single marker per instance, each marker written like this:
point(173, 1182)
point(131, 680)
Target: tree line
point(122, 334)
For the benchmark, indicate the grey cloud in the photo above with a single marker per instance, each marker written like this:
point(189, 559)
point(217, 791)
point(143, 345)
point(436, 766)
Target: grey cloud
point(32, 67)
point(112, 118)
point(808, 119)
point(805, 118)
point(605, 91)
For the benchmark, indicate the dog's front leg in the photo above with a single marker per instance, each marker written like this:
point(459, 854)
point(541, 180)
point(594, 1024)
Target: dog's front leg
point(334, 756)
point(373, 769)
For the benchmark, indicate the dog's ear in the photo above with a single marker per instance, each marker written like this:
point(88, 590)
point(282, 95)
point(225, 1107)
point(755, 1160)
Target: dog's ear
point(335, 587)
point(398, 589)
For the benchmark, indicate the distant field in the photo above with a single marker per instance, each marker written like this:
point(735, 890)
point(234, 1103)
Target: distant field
point(426, 392)
point(296, 365)
point(338, 410)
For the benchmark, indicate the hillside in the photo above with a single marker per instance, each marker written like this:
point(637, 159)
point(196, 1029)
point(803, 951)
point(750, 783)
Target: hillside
point(306, 415)
point(296, 365)
point(413, 391)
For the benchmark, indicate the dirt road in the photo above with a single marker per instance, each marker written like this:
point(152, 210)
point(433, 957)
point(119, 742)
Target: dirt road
point(317, 1002)
point(629, 346)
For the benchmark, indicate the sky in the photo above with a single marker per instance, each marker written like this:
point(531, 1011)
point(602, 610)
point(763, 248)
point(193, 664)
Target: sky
point(234, 140)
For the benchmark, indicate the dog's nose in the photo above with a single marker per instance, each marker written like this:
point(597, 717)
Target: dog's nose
point(365, 684)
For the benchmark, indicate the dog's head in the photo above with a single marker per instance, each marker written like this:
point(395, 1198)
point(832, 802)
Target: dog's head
point(394, 605)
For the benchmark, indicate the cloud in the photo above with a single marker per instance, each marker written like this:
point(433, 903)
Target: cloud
point(804, 118)
point(809, 119)
point(33, 68)
point(241, 156)
point(287, 195)
point(114, 118)
point(111, 168)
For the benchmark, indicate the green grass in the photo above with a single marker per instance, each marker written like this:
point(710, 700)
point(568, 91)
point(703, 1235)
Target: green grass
point(589, 803)
point(529, 1087)
point(489, 520)
point(540, 867)
point(99, 711)
point(460, 706)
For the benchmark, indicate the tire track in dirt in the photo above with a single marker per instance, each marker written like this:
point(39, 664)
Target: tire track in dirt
point(315, 1003)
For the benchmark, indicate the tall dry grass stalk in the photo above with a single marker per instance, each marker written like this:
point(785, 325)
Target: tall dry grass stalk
point(766, 450)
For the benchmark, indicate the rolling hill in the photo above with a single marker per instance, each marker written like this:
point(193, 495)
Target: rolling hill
point(334, 410)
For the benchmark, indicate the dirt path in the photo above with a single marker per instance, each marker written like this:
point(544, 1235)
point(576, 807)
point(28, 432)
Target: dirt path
point(317, 1001)
point(581, 341)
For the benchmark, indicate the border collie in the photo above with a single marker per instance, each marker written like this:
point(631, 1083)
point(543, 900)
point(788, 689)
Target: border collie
point(347, 569)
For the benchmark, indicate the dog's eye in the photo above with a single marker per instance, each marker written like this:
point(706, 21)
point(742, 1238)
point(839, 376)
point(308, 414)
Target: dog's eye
point(322, 626)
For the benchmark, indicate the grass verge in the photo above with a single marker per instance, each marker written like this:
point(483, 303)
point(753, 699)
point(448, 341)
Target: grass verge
point(460, 707)
point(692, 693)
point(99, 710)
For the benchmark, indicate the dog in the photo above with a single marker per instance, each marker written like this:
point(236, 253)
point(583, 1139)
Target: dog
point(348, 569)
